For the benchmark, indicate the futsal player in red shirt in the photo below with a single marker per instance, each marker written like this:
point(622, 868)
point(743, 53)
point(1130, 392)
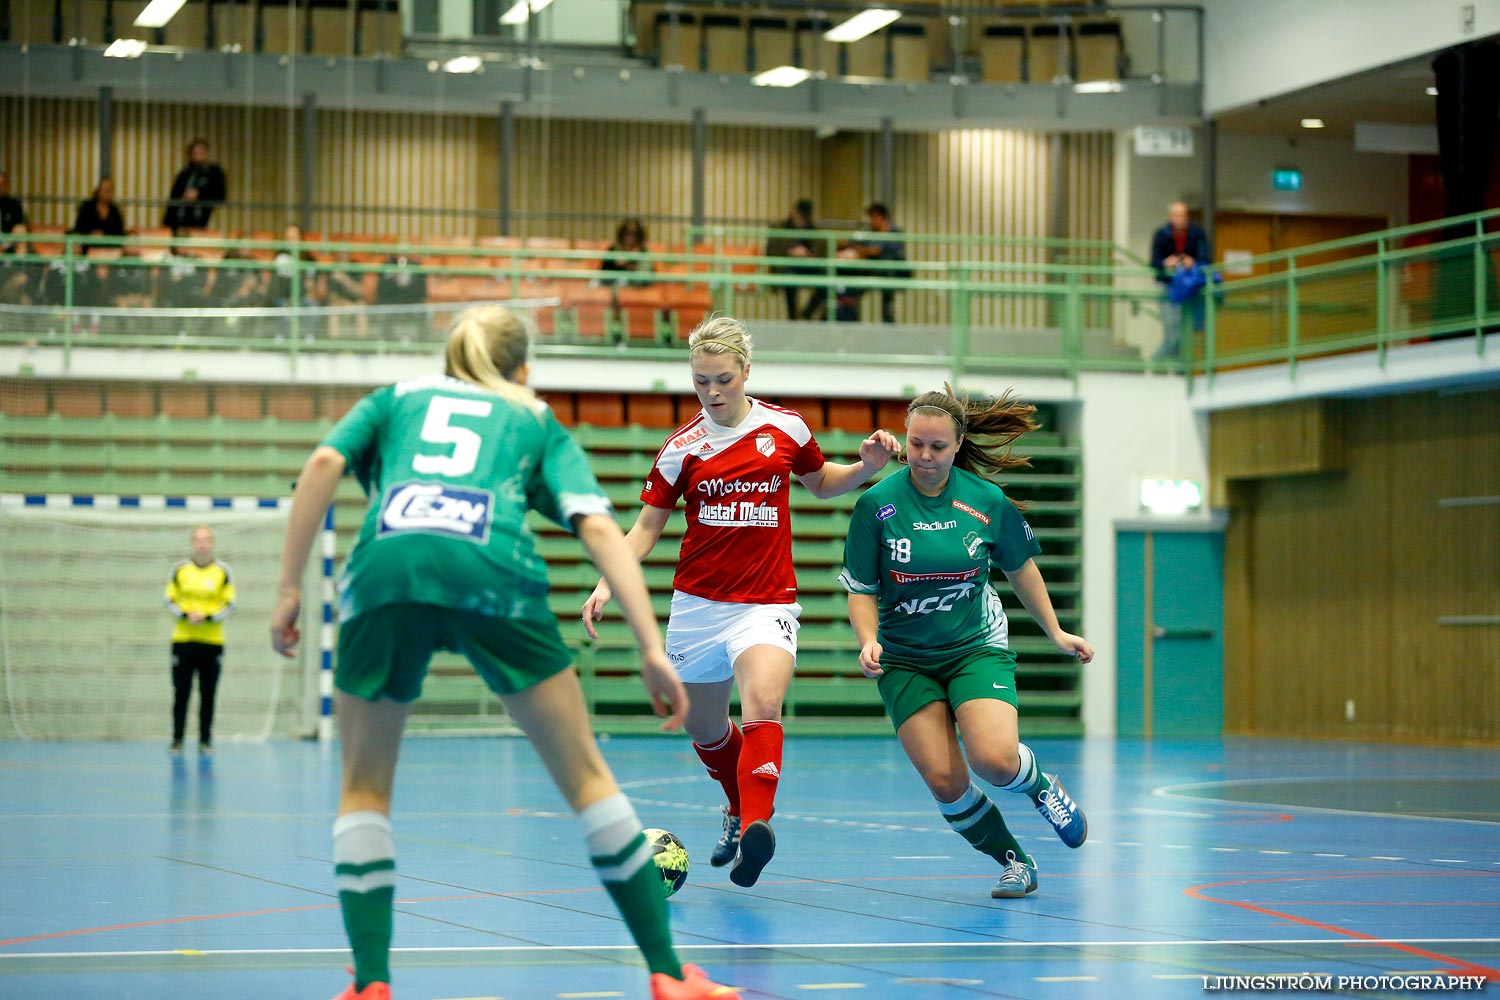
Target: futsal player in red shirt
point(734, 595)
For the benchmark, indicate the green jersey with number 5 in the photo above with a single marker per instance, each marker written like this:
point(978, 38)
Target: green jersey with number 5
point(451, 469)
point(927, 560)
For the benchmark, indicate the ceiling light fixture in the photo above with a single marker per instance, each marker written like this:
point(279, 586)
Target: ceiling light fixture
point(158, 13)
point(125, 48)
point(861, 24)
point(1312, 123)
point(463, 64)
point(522, 11)
point(781, 76)
point(1098, 87)
point(1431, 91)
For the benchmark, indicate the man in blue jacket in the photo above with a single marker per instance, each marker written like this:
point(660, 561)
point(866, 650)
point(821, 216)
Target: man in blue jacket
point(1178, 245)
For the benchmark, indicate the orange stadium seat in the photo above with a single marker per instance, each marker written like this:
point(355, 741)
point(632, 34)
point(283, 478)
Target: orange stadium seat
point(601, 409)
point(653, 410)
point(850, 415)
point(590, 307)
point(639, 306)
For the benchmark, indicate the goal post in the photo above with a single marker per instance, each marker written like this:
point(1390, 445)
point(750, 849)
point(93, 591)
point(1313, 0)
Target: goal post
point(85, 634)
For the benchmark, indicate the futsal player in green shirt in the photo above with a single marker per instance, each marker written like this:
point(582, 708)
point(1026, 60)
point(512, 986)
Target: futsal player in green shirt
point(444, 560)
point(931, 629)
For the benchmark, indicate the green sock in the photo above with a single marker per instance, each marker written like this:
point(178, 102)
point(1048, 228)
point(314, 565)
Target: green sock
point(364, 865)
point(978, 821)
point(624, 862)
point(367, 920)
point(1029, 779)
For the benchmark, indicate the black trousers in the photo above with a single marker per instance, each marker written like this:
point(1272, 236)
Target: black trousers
point(204, 659)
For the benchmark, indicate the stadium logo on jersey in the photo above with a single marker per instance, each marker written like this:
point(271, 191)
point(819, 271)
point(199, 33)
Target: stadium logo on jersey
point(719, 487)
point(765, 444)
point(739, 514)
point(943, 601)
point(683, 440)
point(973, 542)
point(439, 509)
point(885, 511)
point(960, 576)
point(933, 525)
point(959, 504)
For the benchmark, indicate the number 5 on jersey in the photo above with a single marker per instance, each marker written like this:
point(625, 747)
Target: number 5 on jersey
point(437, 429)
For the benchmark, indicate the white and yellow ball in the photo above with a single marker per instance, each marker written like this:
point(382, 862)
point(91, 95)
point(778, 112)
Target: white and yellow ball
point(671, 858)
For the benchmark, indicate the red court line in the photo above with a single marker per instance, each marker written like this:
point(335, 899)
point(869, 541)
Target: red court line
point(1460, 966)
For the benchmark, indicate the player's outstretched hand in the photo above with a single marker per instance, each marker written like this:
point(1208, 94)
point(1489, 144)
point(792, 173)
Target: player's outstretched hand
point(284, 632)
point(869, 659)
point(878, 449)
point(668, 697)
point(1074, 645)
point(593, 608)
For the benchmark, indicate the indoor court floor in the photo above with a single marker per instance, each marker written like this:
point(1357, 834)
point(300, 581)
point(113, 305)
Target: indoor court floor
point(128, 874)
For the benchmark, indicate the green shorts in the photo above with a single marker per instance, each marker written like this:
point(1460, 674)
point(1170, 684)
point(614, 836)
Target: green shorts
point(384, 652)
point(984, 673)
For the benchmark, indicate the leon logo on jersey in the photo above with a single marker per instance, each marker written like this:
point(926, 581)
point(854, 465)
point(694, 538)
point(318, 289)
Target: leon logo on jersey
point(437, 508)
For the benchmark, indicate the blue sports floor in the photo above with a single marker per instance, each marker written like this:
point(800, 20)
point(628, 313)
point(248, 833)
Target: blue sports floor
point(127, 875)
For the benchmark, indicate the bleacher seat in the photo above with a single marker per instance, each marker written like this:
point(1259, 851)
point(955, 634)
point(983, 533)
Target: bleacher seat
point(1049, 51)
point(1100, 49)
point(1002, 53)
point(680, 45)
point(770, 43)
point(910, 59)
point(725, 46)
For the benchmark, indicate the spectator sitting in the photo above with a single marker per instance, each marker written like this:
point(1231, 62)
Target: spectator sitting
point(20, 282)
point(794, 246)
point(12, 214)
point(345, 287)
point(188, 283)
point(241, 287)
point(199, 188)
point(279, 289)
point(98, 215)
point(400, 284)
point(1180, 244)
point(625, 252)
point(847, 309)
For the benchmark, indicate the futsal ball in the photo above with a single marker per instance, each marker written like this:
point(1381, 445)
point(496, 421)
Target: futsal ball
point(671, 858)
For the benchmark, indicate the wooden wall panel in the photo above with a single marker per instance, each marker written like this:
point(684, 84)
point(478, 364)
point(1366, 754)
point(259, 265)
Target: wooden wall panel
point(51, 148)
point(384, 164)
point(1345, 575)
point(1257, 442)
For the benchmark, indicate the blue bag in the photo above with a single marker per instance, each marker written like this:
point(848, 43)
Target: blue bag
point(1186, 283)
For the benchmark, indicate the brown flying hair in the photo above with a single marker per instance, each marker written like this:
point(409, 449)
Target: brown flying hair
point(989, 426)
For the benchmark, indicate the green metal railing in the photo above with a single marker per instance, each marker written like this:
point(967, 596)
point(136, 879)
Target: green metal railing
point(1409, 284)
point(111, 292)
point(992, 307)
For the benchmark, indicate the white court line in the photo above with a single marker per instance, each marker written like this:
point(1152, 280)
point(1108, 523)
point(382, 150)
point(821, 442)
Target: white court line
point(781, 945)
point(1177, 792)
point(1066, 979)
point(1170, 812)
point(830, 986)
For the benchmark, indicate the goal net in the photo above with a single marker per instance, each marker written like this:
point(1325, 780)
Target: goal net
point(85, 631)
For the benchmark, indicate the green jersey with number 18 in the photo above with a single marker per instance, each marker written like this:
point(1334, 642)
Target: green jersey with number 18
point(451, 469)
point(927, 562)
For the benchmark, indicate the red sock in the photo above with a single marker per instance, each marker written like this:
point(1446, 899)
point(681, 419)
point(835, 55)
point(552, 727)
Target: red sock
point(723, 763)
point(760, 770)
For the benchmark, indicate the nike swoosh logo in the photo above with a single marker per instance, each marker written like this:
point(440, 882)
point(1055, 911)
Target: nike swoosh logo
point(1000, 687)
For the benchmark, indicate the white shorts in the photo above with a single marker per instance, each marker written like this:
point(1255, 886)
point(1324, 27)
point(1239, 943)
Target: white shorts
point(705, 637)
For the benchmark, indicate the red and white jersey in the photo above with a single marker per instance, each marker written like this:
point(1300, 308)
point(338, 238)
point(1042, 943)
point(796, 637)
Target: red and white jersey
point(736, 483)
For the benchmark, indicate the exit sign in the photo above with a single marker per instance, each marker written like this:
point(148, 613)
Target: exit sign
point(1286, 180)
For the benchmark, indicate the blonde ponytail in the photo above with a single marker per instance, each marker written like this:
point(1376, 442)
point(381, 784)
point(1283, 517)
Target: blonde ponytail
point(487, 346)
point(721, 335)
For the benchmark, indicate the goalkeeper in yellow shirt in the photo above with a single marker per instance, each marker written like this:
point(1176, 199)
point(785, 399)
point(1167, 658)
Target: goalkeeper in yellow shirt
point(201, 595)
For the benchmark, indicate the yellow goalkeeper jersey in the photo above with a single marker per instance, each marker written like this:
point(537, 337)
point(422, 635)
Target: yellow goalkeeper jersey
point(207, 590)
